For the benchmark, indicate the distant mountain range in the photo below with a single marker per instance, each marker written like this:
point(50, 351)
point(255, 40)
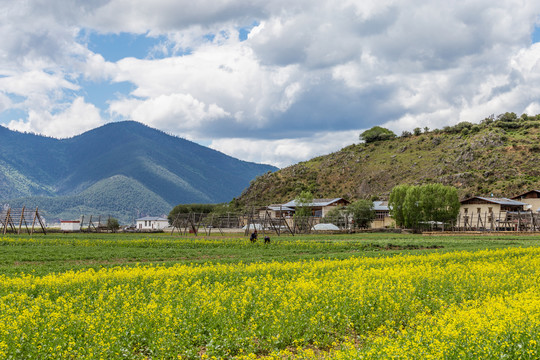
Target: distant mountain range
point(124, 169)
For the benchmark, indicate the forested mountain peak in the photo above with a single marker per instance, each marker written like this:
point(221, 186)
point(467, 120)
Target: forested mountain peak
point(168, 169)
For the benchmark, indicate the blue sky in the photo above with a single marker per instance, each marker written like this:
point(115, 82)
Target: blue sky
point(536, 35)
point(114, 47)
point(274, 82)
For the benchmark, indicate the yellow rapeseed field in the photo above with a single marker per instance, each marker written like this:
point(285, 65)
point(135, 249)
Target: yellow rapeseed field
point(459, 305)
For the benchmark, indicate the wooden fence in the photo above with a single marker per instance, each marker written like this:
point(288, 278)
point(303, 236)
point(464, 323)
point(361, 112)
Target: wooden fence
point(12, 220)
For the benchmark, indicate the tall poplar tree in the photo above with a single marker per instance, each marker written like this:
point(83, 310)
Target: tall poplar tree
point(395, 203)
point(416, 206)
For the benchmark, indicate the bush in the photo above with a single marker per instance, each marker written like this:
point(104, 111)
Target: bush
point(362, 213)
point(405, 133)
point(377, 133)
point(508, 125)
point(113, 225)
point(507, 117)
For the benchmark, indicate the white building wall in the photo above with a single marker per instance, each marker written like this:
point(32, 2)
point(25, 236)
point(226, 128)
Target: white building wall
point(70, 225)
point(152, 224)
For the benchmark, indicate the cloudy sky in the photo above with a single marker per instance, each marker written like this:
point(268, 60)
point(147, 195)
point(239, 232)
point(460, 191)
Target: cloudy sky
point(270, 81)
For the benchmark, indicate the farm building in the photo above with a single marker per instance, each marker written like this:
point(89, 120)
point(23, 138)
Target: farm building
point(531, 198)
point(320, 207)
point(382, 215)
point(70, 225)
point(276, 211)
point(151, 223)
point(487, 212)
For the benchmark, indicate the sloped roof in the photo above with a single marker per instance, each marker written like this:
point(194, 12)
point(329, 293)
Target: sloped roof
point(152, 218)
point(381, 206)
point(316, 202)
point(279, 208)
point(500, 201)
point(525, 193)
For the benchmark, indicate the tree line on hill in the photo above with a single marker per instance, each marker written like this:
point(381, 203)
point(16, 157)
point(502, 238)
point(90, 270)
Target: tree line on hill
point(506, 121)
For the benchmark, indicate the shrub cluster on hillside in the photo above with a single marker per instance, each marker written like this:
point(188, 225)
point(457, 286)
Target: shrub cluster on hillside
point(496, 155)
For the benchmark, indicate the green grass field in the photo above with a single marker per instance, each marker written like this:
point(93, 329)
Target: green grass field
point(42, 254)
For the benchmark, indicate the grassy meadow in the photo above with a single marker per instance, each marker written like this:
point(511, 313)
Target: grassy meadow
point(157, 296)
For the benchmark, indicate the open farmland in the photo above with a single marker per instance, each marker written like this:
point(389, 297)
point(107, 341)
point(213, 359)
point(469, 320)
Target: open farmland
point(346, 296)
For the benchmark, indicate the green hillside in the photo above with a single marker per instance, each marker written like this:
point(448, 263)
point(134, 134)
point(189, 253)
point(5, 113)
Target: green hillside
point(128, 196)
point(122, 169)
point(497, 156)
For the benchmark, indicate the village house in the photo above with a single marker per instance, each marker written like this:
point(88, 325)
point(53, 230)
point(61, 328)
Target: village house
point(320, 207)
point(276, 211)
point(151, 223)
point(531, 198)
point(382, 216)
point(487, 213)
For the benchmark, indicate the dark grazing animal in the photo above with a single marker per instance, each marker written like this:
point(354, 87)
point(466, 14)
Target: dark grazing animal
point(253, 236)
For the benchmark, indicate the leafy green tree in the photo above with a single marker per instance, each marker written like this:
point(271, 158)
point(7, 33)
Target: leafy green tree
point(303, 204)
point(450, 209)
point(395, 203)
point(377, 133)
point(334, 216)
point(412, 207)
point(405, 133)
point(416, 206)
point(190, 208)
point(362, 213)
point(417, 131)
point(113, 225)
point(507, 116)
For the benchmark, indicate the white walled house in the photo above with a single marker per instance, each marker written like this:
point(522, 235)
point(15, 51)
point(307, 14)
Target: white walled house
point(70, 225)
point(151, 223)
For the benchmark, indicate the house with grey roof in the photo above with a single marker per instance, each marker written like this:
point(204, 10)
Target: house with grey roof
point(320, 207)
point(531, 197)
point(276, 211)
point(382, 216)
point(488, 213)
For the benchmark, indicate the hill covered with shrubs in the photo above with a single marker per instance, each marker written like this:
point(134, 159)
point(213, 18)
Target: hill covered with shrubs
point(499, 155)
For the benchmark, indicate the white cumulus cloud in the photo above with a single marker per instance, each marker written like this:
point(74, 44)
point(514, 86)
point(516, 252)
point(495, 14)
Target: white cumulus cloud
point(76, 119)
point(306, 70)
